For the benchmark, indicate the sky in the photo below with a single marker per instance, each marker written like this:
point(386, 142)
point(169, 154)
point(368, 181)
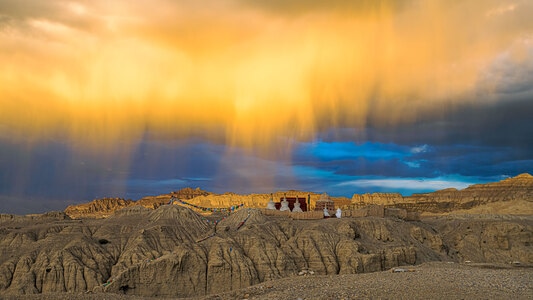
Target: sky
point(134, 98)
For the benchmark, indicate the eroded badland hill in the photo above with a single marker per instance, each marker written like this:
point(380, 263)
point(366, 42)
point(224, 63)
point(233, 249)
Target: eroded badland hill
point(150, 248)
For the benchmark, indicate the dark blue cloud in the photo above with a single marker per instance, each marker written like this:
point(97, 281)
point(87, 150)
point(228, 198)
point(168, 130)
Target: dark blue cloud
point(349, 158)
point(325, 151)
point(372, 167)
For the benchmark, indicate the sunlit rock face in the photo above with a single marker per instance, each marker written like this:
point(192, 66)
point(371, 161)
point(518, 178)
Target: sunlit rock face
point(378, 198)
point(97, 208)
point(101, 208)
point(517, 189)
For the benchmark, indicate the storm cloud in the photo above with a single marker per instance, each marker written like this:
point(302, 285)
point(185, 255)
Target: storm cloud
point(134, 98)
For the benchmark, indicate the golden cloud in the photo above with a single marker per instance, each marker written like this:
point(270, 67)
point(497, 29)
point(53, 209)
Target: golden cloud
point(97, 73)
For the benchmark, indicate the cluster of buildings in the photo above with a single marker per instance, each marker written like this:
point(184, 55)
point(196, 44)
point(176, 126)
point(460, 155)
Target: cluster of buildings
point(325, 207)
point(297, 204)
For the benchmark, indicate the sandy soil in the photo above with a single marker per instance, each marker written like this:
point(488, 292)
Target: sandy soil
point(435, 280)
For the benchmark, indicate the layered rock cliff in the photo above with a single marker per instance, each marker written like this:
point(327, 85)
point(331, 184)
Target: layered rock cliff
point(388, 199)
point(519, 188)
point(99, 208)
point(486, 197)
point(102, 208)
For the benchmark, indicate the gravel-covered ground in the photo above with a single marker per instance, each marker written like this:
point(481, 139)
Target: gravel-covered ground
point(436, 280)
point(427, 281)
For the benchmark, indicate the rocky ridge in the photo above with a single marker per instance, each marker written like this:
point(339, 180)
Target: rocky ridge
point(102, 208)
point(98, 208)
point(519, 188)
point(105, 207)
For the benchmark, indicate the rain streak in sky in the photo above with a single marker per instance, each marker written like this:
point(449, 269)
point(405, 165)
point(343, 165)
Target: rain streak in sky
point(135, 98)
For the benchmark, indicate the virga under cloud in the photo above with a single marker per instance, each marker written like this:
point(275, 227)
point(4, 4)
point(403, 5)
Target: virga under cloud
point(107, 81)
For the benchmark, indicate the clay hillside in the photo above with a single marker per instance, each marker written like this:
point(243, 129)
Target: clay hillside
point(447, 244)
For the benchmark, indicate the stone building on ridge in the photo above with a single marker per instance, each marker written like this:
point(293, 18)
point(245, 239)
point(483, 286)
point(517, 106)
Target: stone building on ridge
point(325, 202)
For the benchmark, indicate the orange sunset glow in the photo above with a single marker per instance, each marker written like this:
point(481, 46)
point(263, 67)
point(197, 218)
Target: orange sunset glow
point(93, 70)
point(255, 75)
